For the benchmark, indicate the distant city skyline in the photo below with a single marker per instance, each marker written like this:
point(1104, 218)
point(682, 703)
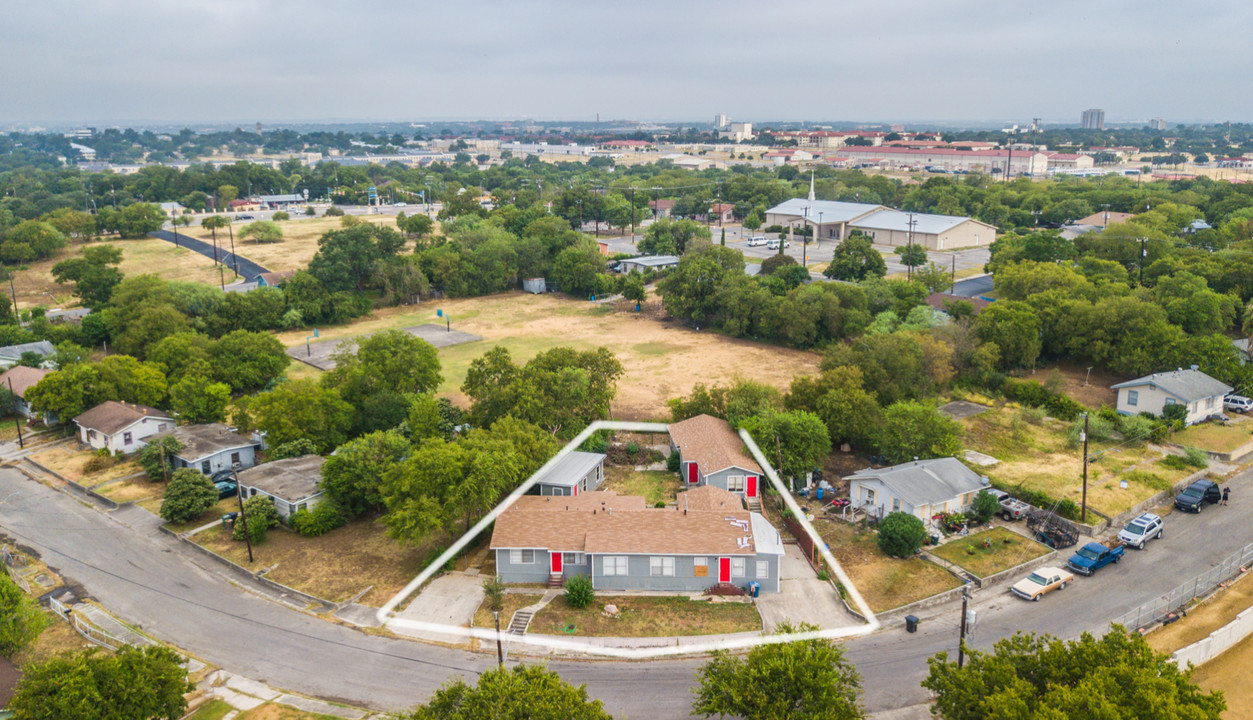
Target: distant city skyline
point(958, 63)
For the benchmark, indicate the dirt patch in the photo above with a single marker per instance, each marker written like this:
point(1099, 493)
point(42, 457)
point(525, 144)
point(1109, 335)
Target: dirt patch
point(1090, 389)
point(1232, 673)
point(662, 359)
point(9, 675)
point(1205, 618)
point(271, 711)
point(137, 489)
point(57, 639)
point(299, 244)
point(335, 566)
point(655, 486)
point(646, 617)
point(70, 462)
point(513, 603)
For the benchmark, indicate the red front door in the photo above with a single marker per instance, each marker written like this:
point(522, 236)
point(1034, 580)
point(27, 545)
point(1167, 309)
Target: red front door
point(576, 490)
point(555, 562)
point(692, 476)
point(750, 486)
point(724, 570)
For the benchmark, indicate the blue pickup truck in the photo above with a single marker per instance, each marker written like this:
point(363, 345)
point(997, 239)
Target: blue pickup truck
point(1094, 556)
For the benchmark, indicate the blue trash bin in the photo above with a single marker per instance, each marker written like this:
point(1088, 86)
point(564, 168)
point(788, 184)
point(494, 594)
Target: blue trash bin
point(754, 588)
point(819, 494)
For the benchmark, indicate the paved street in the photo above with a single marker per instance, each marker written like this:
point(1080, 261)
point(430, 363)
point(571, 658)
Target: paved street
point(145, 577)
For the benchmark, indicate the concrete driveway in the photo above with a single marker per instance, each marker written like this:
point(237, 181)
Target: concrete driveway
point(802, 597)
point(449, 599)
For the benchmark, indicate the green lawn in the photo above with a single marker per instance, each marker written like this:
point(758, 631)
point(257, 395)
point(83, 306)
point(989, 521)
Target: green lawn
point(655, 486)
point(1214, 437)
point(646, 617)
point(986, 553)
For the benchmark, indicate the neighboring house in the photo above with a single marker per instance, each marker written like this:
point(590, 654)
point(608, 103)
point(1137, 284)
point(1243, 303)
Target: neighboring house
point(661, 208)
point(721, 213)
point(1104, 219)
point(648, 262)
point(1201, 394)
point(576, 473)
point(708, 539)
point(74, 315)
point(711, 453)
point(273, 279)
point(213, 447)
point(293, 484)
point(18, 379)
point(922, 488)
point(121, 427)
point(241, 205)
point(10, 354)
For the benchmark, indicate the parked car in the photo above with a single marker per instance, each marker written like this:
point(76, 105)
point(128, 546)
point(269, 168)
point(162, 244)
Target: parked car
point(226, 488)
point(774, 244)
point(1041, 582)
point(244, 217)
point(1195, 496)
point(1141, 530)
point(756, 240)
point(1011, 508)
point(400, 204)
point(1238, 403)
point(1094, 556)
point(221, 475)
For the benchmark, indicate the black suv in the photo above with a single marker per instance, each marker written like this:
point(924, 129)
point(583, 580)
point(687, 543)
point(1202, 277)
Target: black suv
point(1194, 497)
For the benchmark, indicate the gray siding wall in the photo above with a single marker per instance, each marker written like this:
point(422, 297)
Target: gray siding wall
point(638, 575)
point(222, 461)
point(536, 572)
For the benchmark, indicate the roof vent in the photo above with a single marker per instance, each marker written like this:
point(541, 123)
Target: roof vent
point(1196, 367)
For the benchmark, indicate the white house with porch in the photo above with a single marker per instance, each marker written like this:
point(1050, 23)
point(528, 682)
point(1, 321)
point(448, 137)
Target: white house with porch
point(922, 488)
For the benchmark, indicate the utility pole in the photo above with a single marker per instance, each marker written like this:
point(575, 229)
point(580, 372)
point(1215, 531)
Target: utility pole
point(909, 267)
point(633, 216)
point(13, 294)
point(1143, 254)
point(16, 421)
point(500, 654)
point(239, 495)
point(1084, 516)
point(953, 275)
point(961, 633)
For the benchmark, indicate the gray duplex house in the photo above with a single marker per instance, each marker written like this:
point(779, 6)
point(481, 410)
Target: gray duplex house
point(707, 539)
point(711, 453)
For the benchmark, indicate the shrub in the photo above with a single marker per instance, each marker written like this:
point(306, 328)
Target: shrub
point(98, 462)
point(1138, 428)
point(672, 462)
point(1196, 457)
point(659, 504)
point(310, 212)
point(280, 216)
point(985, 506)
point(333, 211)
point(323, 518)
point(1147, 479)
point(188, 496)
point(1068, 509)
point(598, 442)
point(22, 619)
point(1098, 429)
point(295, 448)
point(901, 534)
point(579, 592)
point(633, 447)
point(1175, 412)
point(1034, 416)
point(261, 515)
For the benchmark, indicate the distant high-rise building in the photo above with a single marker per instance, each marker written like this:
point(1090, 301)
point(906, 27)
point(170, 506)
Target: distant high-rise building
point(720, 121)
point(1093, 119)
point(1157, 124)
point(897, 128)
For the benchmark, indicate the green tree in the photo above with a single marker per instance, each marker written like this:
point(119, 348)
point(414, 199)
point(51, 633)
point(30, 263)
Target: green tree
point(188, 496)
point(797, 436)
point(691, 290)
point(197, 399)
point(839, 398)
point(43, 238)
point(248, 360)
point(912, 255)
point(67, 392)
point(157, 457)
point(291, 449)
point(1115, 676)
point(523, 692)
point(912, 429)
point(182, 354)
point(633, 288)
point(936, 278)
point(261, 516)
point(985, 506)
point(672, 237)
point(901, 534)
point(736, 402)
point(263, 231)
point(576, 269)
point(133, 684)
point(854, 259)
point(94, 274)
point(21, 620)
point(301, 409)
point(139, 219)
point(346, 258)
point(390, 360)
point(802, 680)
point(1015, 328)
point(415, 225)
point(121, 377)
point(352, 475)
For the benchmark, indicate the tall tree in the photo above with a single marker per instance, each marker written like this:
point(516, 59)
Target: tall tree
point(132, 683)
point(523, 692)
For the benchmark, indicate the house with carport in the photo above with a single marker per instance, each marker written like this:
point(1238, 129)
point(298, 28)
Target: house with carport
point(707, 539)
point(711, 453)
point(1199, 393)
point(121, 427)
point(922, 488)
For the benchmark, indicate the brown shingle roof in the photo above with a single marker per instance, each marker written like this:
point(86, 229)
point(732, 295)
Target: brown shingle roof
point(20, 378)
point(709, 497)
point(583, 524)
point(712, 444)
point(111, 415)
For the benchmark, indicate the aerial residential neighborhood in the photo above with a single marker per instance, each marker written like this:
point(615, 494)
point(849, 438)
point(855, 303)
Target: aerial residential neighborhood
point(586, 362)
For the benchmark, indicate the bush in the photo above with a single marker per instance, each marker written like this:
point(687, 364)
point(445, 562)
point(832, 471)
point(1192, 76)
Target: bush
point(597, 442)
point(672, 461)
point(1196, 457)
point(295, 448)
point(280, 216)
point(188, 496)
point(1139, 428)
point(22, 619)
point(323, 518)
point(333, 211)
point(1098, 429)
point(261, 515)
point(985, 506)
point(1147, 479)
point(579, 592)
point(102, 460)
point(901, 534)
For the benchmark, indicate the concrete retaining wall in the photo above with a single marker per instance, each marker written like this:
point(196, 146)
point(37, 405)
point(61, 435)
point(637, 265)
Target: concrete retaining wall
point(252, 577)
point(1136, 510)
point(1018, 570)
point(76, 488)
point(1236, 456)
point(1218, 641)
point(913, 607)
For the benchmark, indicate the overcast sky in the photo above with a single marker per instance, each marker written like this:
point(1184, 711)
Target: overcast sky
point(119, 61)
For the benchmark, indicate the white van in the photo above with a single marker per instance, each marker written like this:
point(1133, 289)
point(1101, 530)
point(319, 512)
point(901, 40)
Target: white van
point(774, 244)
point(756, 240)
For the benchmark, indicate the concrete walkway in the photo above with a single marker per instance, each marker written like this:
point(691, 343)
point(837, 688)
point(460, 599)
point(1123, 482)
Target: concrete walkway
point(450, 599)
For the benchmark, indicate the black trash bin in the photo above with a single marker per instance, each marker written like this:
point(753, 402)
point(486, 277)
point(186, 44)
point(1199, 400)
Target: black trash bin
point(911, 623)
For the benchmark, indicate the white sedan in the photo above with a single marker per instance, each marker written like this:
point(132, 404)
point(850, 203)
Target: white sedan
point(1042, 582)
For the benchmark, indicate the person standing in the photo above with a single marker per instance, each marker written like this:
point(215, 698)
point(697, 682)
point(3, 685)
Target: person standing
point(1226, 494)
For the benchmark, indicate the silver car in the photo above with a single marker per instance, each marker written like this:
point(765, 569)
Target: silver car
point(1141, 530)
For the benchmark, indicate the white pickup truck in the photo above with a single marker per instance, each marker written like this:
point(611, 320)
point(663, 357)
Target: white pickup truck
point(1011, 508)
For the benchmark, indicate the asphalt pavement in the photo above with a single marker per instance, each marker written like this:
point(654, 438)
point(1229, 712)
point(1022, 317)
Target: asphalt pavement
point(248, 269)
point(149, 579)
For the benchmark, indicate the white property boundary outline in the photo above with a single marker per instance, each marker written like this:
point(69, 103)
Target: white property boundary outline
point(386, 614)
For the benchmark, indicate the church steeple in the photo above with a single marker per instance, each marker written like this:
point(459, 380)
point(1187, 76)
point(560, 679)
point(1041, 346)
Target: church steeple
point(811, 186)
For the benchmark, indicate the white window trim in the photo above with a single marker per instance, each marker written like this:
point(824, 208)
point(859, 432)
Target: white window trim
point(736, 483)
point(1133, 398)
point(516, 556)
point(610, 566)
point(661, 566)
point(763, 570)
point(742, 564)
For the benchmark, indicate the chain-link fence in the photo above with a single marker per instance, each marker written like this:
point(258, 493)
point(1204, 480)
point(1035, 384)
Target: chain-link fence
point(1155, 610)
